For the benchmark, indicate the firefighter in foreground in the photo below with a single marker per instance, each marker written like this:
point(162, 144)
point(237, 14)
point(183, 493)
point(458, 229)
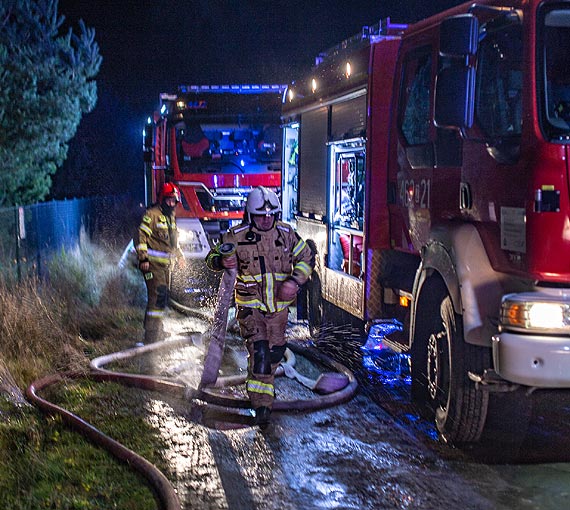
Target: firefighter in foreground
point(272, 262)
point(158, 250)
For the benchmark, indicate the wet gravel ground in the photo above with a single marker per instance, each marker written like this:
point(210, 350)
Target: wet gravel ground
point(373, 452)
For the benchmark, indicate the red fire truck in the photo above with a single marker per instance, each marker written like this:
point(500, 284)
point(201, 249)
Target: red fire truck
point(429, 166)
point(216, 142)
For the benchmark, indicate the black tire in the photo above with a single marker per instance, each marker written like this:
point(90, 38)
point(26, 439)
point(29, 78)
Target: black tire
point(440, 362)
point(315, 305)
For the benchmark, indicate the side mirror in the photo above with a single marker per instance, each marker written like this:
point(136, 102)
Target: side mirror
point(455, 82)
point(459, 36)
point(454, 89)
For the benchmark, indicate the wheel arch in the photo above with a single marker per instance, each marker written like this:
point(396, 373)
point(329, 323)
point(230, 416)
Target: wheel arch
point(457, 256)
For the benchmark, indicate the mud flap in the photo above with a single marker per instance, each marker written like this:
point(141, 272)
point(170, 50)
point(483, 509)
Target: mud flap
point(213, 358)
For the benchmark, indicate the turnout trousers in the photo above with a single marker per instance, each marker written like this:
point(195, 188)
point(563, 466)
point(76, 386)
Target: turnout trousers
point(264, 334)
point(157, 281)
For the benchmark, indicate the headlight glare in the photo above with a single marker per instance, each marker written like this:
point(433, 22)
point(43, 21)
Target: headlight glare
point(518, 312)
point(546, 315)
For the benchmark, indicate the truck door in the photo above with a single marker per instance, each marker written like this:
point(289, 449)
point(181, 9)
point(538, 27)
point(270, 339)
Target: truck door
point(425, 169)
point(415, 154)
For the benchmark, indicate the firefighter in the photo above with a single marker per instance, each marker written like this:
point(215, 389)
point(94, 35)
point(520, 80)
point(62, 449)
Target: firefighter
point(272, 262)
point(157, 251)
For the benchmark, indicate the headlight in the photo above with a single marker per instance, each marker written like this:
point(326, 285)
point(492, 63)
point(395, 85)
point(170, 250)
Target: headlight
point(536, 313)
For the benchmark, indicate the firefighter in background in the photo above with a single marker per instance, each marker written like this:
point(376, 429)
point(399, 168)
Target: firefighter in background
point(158, 250)
point(272, 262)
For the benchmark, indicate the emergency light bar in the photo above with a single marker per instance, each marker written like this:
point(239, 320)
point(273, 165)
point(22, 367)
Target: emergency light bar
point(237, 89)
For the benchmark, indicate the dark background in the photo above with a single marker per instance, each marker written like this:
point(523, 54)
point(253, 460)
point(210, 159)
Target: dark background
point(149, 47)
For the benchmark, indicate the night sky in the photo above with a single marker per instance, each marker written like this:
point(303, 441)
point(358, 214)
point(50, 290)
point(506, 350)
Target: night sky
point(149, 47)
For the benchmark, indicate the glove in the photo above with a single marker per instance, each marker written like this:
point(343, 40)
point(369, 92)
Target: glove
point(288, 290)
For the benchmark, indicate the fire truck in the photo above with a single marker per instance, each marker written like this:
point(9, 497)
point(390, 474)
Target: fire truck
point(216, 142)
point(428, 166)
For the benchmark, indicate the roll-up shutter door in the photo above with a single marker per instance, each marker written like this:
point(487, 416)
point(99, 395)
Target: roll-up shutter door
point(349, 119)
point(313, 162)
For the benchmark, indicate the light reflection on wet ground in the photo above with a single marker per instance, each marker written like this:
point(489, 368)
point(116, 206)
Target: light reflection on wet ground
point(373, 452)
point(525, 444)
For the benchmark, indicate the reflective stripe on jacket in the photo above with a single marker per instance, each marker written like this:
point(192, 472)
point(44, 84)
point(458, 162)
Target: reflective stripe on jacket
point(158, 238)
point(265, 260)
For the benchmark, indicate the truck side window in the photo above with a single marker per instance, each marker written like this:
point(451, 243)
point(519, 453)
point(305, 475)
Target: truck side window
point(350, 185)
point(415, 101)
point(498, 106)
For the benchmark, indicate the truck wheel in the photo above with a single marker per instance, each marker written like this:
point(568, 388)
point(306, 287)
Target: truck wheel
point(315, 305)
point(440, 382)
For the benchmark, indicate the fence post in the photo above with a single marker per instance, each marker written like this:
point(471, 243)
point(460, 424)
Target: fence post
point(17, 212)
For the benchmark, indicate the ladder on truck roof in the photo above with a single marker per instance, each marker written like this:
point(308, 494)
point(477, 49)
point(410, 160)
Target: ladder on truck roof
point(384, 28)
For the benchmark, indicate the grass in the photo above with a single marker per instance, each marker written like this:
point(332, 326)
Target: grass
point(86, 308)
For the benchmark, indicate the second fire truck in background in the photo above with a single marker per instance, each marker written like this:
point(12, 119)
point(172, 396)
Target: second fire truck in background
point(215, 142)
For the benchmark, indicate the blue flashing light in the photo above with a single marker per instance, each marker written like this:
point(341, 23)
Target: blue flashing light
point(377, 333)
point(163, 109)
point(392, 367)
point(242, 163)
point(149, 120)
point(236, 89)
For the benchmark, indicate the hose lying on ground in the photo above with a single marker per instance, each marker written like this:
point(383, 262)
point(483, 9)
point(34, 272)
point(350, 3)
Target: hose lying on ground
point(164, 491)
point(206, 393)
point(186, 310)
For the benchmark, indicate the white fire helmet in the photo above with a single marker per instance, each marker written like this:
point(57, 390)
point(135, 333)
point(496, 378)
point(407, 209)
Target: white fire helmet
point(262, 201)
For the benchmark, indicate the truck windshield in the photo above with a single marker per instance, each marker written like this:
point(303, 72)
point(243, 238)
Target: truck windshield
point(227, 148)
point(554, 72)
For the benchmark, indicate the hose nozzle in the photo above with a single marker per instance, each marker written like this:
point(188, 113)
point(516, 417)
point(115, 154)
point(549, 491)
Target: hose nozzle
point(227, 249)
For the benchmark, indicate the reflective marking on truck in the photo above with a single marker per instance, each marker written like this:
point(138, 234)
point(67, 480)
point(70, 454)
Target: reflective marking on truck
point(415, 194)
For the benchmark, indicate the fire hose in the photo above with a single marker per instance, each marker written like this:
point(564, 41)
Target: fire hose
point(166, 495)
point(213, 358)
point(163, 489)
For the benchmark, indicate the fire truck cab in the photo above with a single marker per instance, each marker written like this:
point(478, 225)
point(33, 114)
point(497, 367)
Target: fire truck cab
point(216, 142)
point(428, 166)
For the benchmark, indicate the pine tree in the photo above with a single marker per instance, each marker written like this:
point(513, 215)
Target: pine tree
point(46, 86)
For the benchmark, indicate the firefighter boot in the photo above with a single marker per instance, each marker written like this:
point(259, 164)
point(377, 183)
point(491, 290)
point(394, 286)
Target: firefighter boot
point(262, 415)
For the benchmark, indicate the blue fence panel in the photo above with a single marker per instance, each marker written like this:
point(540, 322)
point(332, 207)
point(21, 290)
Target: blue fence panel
point(30, 235)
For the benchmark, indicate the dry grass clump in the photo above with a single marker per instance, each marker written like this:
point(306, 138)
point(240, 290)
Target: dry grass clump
point(54, 325)
point(34, 336)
